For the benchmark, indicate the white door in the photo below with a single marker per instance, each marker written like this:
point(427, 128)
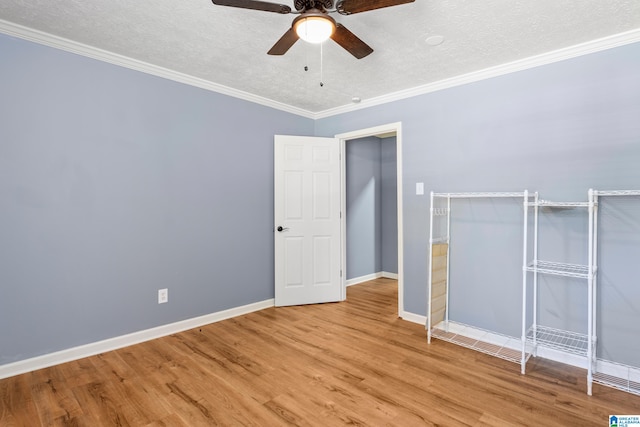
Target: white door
point(307, 220)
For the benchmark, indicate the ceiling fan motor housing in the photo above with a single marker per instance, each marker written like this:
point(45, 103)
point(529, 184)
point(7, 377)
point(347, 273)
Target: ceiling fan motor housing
point(303, 5)
point(312, 13)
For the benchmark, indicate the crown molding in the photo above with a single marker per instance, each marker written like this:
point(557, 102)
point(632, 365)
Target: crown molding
point(593, 46)
point(61, 43)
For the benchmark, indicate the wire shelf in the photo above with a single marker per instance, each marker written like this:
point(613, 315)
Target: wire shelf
point(617, 375)
point(560, 269)
point(617, 382)
point(570, 342)
point(477, 195)
point(618, 193)
point(549, 203)
point(487, 342)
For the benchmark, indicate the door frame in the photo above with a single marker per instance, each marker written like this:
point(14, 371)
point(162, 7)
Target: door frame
point(363, 133)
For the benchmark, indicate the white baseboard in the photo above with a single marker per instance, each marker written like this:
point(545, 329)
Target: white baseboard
point(413, 318)
point(75, 353)
point(366, 278)
point(562, 357)
point(362, 279)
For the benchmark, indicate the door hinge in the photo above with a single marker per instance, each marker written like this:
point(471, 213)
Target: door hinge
point(340, 273)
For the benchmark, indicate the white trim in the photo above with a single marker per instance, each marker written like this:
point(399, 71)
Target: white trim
point(562, 357)
point(362, 279)
point(115, 343)
point(387, 275)
point(413, 318)
point(373, 276)
point(373, 131)
point(343, 215)
point(61, 43)
point(389, 128)
point(618, 370)
point(586, 48)
point(400, 203)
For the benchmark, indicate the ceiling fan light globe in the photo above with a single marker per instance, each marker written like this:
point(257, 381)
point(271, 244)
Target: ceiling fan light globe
point(314, 29)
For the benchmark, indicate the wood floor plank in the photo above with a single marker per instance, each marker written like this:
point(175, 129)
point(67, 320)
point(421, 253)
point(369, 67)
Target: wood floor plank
point(172, 420)
point(56, 405)
point(16, 402)
point(348, 363)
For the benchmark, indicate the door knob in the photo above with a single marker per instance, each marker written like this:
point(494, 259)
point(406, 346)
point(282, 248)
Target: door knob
point(281, 228)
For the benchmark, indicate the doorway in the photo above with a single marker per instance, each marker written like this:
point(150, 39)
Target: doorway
point(383, 132)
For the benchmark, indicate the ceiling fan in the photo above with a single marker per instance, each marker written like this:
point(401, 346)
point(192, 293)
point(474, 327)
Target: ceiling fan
point(314, 23)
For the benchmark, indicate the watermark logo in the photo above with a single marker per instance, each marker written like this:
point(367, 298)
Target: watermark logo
point(624, 420)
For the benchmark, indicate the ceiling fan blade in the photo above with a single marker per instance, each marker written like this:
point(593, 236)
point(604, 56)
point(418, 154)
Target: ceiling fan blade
point(350, 42)
point(255, 5)
point(348, 7)
point(284, 44)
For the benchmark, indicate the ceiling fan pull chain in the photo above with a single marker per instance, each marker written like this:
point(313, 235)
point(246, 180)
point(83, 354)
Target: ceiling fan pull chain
point(321, 83)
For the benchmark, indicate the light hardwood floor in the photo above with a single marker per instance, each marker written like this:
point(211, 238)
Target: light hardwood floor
point(350, 363)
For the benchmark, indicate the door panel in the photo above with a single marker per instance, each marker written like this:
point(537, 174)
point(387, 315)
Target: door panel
point(294, 255)
point(321, 260)
point(307, 208)
point(322, 196)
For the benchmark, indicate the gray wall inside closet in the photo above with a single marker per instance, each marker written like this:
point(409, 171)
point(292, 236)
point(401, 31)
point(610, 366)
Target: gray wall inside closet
point(372, 233)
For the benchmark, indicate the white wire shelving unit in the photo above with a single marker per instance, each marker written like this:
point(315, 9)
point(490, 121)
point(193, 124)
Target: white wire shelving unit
point(605, 372)
point(517, 350)
point(569, 342)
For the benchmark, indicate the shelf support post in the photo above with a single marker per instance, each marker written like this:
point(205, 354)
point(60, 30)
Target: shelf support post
point(430, 270)
point(590, 303)
point(523, 362)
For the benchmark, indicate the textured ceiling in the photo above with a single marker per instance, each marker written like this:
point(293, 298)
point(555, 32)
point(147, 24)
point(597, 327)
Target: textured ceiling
point(227, 46)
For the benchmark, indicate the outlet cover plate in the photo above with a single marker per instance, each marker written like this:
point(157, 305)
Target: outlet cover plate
point(163, 296)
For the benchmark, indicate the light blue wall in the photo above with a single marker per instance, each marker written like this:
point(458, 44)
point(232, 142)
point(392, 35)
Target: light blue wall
point(558, 129)
point(114, 184)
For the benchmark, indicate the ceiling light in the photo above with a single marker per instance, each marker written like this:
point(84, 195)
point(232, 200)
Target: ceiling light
point(314, 27)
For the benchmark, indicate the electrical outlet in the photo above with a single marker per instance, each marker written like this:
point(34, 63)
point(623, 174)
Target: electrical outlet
point(163, 296)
